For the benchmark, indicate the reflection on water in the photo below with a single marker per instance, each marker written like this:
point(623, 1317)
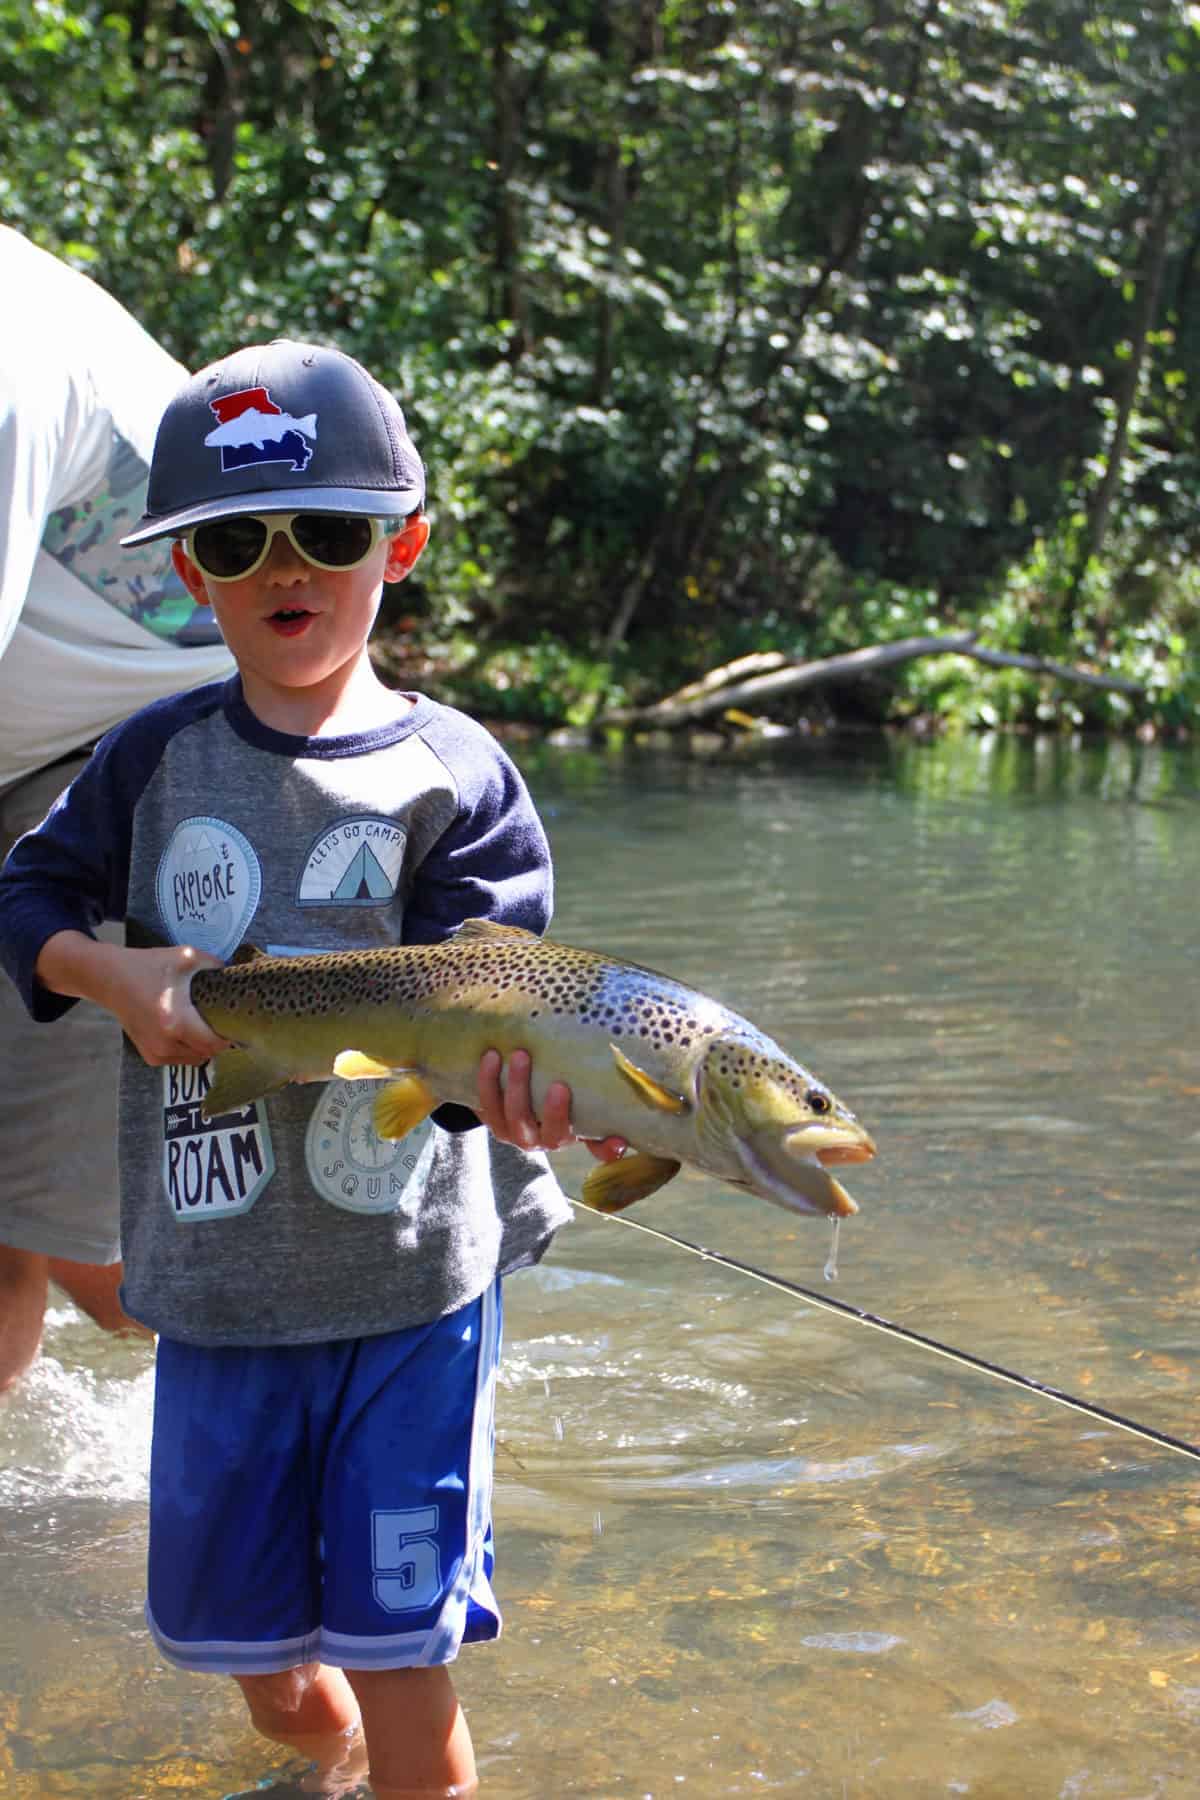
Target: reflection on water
point(746, 1547)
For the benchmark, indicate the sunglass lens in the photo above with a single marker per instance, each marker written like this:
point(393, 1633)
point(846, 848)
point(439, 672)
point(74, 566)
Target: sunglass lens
point(228, 547)
point(334, 539)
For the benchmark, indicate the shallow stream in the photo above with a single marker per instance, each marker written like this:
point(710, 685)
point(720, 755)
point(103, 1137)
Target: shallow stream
point(745, 1547)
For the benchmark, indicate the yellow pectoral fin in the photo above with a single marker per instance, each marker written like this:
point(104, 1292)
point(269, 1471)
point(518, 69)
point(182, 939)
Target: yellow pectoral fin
point(354, 1065)
point(649, 1091)
point(402, 1104)
point(612, 1186)
point(240, 1076)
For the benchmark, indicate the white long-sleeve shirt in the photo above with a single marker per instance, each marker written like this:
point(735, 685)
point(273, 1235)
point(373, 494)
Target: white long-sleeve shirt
point(88, 632)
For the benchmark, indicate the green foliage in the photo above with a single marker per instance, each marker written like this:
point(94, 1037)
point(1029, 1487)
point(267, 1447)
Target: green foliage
point(541, 683)
point(806, 323)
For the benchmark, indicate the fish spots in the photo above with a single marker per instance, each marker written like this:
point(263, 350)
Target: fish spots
point(478, 967)
point(744, 1061)
point(633, 1002)
point(634, 1006)
point(486, 967)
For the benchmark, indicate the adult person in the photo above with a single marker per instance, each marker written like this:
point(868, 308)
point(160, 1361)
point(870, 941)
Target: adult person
point(89, 632)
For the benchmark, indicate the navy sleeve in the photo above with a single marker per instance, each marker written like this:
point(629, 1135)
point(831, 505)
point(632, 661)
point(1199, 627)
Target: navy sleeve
point(72, 871)
point(493, 860)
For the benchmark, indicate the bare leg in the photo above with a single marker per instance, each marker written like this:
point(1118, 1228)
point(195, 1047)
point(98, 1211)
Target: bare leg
point(417, 1737)
point(23, 1277)
point(313, 1711)
point(93, 1288)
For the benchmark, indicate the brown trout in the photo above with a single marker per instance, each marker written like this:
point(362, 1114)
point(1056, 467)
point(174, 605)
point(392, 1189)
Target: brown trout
point(678, 1075)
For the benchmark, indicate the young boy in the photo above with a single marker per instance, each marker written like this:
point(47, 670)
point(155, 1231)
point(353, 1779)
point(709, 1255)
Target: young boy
point(327, 1303)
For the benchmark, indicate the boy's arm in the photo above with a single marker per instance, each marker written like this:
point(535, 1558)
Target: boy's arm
point(147, 992)
point(492, 861)
point(71, 872)
point(66, 875)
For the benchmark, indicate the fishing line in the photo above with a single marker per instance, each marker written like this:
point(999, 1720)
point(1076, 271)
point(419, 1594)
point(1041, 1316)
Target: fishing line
point(860, 1317)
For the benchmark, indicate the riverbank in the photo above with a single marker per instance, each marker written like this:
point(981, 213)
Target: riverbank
point(924, 688)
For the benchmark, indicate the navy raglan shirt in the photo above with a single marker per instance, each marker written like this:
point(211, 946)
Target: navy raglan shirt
point(195, 823)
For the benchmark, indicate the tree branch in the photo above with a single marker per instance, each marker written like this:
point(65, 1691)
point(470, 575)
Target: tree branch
point(723, 687)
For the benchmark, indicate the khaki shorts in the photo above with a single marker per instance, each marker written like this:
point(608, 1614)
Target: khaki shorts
point(58, 1095)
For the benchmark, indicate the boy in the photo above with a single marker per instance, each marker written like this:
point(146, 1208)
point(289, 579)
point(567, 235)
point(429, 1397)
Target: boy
point(327, 1303)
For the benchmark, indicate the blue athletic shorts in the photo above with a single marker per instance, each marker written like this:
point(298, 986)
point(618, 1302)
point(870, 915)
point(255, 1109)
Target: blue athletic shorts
point(326, 1502)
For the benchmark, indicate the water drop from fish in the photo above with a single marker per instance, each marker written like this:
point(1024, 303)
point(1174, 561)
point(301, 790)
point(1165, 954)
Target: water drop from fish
point(831, 1261)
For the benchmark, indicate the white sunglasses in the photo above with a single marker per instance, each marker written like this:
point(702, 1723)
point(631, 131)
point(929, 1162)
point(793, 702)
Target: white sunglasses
point(230, 549)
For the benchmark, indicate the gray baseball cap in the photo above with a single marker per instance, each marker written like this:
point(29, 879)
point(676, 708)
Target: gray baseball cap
point(280, 427)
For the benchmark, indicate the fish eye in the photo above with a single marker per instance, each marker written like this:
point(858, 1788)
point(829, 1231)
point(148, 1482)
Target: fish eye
point(818, 1102)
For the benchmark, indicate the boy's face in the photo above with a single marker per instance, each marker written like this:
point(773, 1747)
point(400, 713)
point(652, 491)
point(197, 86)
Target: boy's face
point(291, 625)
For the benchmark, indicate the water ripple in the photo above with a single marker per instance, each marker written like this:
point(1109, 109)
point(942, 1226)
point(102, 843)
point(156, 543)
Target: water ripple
point(68, 1432)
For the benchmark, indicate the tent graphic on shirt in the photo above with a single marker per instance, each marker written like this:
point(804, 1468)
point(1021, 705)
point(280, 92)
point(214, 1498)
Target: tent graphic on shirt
point(363, 880)
point(356, 863)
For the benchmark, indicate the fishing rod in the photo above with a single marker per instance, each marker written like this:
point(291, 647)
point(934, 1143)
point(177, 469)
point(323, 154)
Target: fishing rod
point(860, 1316)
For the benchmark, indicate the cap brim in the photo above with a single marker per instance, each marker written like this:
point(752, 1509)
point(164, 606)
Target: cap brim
point(373, 503)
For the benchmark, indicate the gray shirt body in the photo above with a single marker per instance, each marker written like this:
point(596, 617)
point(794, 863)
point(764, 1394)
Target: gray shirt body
point(292, 1222)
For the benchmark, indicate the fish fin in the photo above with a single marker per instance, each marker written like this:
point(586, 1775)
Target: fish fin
point(240, 1076)
point(354, 1065)
point(612, 1186)
point(401, 1105)
point(480, 930)
point(647, 1089)
point(145, 937)
point(246, 953)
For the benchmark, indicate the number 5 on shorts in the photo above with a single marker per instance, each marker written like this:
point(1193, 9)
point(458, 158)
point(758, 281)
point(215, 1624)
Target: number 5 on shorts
point(405, 1560)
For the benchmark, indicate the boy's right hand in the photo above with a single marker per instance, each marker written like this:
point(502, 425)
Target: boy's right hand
point(505, 1106)
point(147, 992)
point(154, 1005)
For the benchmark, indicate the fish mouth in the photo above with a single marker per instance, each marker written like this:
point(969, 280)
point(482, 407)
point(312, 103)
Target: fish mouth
point(797, 1181)
point(831, 1144)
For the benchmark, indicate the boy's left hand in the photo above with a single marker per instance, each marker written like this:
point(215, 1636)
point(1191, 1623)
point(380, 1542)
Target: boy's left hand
point(506, 1108)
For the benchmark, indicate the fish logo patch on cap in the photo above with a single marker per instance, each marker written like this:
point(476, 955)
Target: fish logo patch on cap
point(252, 429)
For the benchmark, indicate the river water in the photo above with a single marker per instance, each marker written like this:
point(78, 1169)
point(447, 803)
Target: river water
point(746, 1547)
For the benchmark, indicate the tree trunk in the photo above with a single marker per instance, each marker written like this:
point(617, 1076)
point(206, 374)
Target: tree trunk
point(1153, 260)
point(734, 685)
point(506, 237)
point(682, 521)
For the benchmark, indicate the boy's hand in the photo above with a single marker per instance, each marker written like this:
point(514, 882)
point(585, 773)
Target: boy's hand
point(506, 1108)
point(154, 1004)
point(147, 992)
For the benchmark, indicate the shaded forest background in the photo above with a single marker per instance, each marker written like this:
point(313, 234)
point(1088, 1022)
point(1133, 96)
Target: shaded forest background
point(722, 326)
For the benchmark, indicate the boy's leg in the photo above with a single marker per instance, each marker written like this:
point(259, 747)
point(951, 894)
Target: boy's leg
point(417, 1738)
point(406, 1508)
point(312, 1710)
point(234, 1572)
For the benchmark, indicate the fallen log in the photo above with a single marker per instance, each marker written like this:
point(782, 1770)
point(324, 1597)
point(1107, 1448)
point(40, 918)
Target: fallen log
point(732, 685)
